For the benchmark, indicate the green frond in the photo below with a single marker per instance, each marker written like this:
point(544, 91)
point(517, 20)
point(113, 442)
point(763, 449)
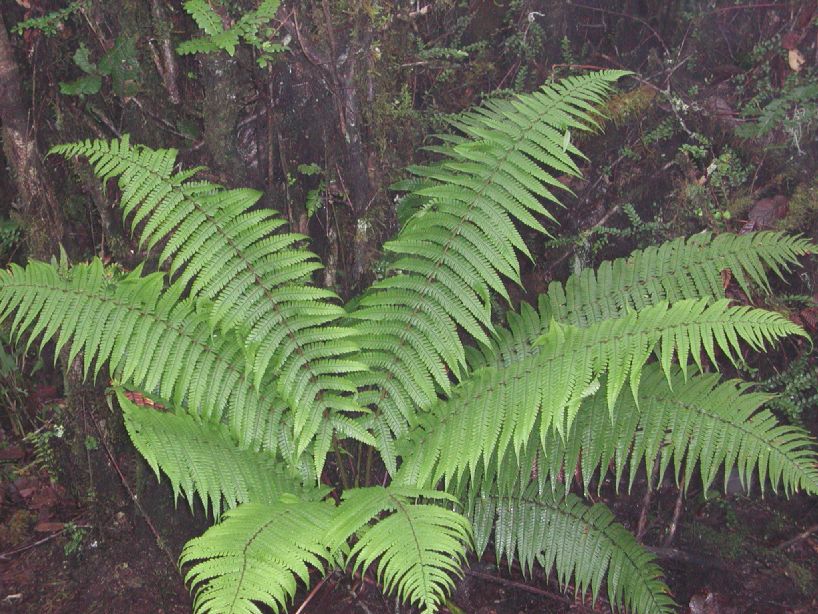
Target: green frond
point(418, 547)
point(584, 545)
point(461, 245)
point(228, 253)
point(257, 554)
point(496, 411)
point(702, 421)
point(151, 340)
point(219, 39)
point(679, 269)
point(202, 459)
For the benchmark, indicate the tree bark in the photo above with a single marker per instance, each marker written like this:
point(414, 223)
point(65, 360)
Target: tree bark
point(38, 204)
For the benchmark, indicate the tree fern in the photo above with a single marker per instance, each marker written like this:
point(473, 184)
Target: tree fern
point(261, 373)
point(455, 251)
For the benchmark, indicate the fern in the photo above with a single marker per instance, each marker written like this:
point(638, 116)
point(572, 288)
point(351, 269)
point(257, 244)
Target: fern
point(257, 554)
point(455, 251)
point(583, 543)
point(259, 373)
point(202, 459)
point(217, 38)
point(679, 269)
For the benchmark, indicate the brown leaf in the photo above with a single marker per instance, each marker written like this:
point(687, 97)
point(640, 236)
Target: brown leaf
point(767, 211)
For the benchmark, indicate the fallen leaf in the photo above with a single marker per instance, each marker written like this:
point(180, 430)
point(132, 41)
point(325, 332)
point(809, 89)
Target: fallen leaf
point(796, 59)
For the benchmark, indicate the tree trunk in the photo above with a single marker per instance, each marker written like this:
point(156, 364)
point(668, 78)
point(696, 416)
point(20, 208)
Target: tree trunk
point(38, 205)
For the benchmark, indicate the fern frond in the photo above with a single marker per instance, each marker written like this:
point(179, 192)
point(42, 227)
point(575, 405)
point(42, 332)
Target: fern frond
point(151, 340)
point(256, 554)
point(583, 544)
point(418, 547)
point(219, 39)
point(496, 411)
point(450, 255)
point(679, 269)
point(701, 421)
point(202, 459)
point(255, 280)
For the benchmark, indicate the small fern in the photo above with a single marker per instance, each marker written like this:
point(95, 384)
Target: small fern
point(259, 373)
point(218, 38)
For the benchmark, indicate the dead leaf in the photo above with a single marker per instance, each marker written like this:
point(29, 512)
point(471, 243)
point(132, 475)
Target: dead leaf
point(796, 59)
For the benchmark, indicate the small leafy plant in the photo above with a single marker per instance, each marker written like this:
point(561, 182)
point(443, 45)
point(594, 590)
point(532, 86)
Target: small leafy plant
point(257, 378)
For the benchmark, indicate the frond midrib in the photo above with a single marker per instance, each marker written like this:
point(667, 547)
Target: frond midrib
point(245, 558)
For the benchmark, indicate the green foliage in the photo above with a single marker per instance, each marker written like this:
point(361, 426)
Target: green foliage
point(251, 28)
point(120, 64)
point(254, 374)
point(796, 389)
point(50, 23)
point(583, 543)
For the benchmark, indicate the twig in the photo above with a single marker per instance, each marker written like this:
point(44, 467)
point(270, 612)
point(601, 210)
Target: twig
point(674, 524)
point(625, 15)
point(519, 585)
point(641, 527)
point(674, 554)
point(312, 594)
point(800, 537)
point(5, 555)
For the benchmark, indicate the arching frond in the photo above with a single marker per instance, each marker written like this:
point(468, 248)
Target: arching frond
point(455, 251)
point(202, 459)
point(497, 409)
point(256, 280)
point(679, 269)
point(257, 554)
point(702, 421)
point(584, 545)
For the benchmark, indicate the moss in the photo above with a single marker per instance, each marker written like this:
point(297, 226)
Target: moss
point(627, 105)
point(803, 208)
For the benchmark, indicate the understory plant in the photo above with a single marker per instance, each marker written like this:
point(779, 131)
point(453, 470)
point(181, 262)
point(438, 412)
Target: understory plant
point(446, 433)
